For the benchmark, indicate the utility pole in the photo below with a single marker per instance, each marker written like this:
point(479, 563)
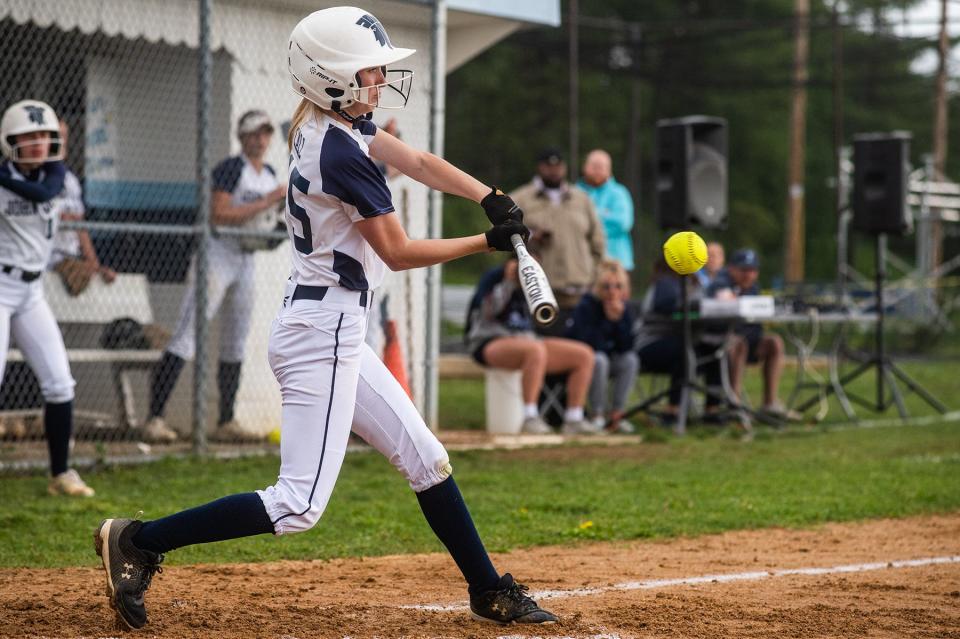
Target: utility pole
point(574, 53)
point(839, 185)
point(940, 135)
point(794, 258)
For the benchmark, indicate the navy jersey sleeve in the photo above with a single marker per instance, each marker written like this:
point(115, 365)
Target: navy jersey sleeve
point(367, 129)
point(351, 176)
point(48, 185)
point(226, 175)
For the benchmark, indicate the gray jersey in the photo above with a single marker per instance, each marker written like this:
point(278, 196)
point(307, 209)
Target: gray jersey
point(26, 228)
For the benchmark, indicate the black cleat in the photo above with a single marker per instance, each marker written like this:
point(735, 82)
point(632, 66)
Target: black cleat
point(129, 569)
point(508, 604)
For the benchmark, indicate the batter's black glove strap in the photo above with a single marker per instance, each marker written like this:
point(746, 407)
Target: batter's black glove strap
point(498, 238)
point(500, 207)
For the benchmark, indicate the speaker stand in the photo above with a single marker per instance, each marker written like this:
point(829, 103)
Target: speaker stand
point(689, 385)
point(887, 371)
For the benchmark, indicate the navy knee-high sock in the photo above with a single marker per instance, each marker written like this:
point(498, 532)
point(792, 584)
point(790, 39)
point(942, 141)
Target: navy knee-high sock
point(228, 381)
point(165, 376)
point(450, 520)
point(230, 517)
point(58, 426)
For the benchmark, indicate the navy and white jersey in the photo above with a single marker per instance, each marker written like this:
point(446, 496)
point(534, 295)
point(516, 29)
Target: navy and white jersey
point(26, 227)
point(333, 185)
point(240, 179)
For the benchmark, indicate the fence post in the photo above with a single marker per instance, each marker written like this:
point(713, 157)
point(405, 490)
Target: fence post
point(202, 227)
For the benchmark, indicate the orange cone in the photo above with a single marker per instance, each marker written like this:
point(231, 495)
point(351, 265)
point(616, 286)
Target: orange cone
point(393, 357)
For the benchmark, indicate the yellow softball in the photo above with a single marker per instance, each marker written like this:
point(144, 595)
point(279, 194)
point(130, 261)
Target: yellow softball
point(274, 436)
point(685, 252)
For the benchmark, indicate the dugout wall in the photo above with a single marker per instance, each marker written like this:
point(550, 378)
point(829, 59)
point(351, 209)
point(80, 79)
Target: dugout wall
point(123, 75)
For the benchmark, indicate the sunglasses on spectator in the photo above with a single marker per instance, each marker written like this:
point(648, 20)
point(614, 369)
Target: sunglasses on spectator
point(611, 286)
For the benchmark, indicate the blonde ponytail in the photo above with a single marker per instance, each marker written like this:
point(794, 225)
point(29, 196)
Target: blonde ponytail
point(304, 110)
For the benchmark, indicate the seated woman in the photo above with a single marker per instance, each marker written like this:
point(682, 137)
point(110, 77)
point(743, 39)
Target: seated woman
point(500, 335)
point(659, 344)
point(603, 320)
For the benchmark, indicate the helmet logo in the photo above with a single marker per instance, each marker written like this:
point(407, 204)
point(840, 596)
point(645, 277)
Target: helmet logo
point(35, 114)
point(374, 25)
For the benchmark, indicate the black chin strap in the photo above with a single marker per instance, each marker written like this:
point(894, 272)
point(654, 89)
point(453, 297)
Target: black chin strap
point(335, 107)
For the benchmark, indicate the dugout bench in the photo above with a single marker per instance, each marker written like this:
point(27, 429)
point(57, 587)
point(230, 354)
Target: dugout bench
point(82, 319)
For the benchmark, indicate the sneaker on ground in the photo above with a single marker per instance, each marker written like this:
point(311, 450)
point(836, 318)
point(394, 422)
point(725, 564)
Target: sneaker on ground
point(781, 412)
point(598, 422)
point(232, 431)
point(129, 569)
point(156, 431)
point(579, 427)
point(69, 483)
point(508, 604)
point(535, 426)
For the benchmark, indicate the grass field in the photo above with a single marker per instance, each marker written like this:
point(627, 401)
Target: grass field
point(461, 403)
point(683, 486)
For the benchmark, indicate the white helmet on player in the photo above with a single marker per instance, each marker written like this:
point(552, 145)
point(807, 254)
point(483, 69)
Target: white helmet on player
point(330, 47)
point(29, 116)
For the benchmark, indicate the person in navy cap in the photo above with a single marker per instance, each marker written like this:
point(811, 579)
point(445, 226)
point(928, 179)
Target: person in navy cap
point(751, 345)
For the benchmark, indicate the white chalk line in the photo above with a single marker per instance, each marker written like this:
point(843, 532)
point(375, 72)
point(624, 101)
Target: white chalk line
point(757, 575)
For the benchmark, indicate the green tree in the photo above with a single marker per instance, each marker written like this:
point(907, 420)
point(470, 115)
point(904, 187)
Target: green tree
point(731, 59)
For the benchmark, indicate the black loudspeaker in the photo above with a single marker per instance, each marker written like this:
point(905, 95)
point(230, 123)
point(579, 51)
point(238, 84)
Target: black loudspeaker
point(691, 172)
point(881, 181)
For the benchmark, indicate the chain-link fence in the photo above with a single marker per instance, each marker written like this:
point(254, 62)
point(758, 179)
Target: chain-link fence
point(123, 77)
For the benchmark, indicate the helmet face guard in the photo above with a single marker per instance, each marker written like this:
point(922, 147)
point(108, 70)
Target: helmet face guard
point(54, 151)
point(391, 94)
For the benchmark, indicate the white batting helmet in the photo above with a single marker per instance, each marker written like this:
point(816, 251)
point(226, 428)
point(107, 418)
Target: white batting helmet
point(328, 48)
point(29, 116)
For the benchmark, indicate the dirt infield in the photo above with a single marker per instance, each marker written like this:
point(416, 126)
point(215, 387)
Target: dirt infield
point(410, 595)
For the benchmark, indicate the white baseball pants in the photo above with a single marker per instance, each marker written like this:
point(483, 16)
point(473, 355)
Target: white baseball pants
point(25, 314)
point(230, 290)
point(332, 382)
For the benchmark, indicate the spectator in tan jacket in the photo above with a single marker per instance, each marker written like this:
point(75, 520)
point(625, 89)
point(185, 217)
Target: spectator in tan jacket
point(565, 231)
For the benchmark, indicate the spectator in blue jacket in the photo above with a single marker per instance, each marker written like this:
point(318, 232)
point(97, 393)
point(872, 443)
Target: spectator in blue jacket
point(613, 203)
point(603, 320)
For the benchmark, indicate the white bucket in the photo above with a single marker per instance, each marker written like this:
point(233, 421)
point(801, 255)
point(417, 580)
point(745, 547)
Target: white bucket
point(504, 401)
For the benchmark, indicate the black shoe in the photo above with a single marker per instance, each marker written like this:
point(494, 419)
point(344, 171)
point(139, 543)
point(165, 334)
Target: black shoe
point(129, 569)
point(666, 420)
point(508, 604)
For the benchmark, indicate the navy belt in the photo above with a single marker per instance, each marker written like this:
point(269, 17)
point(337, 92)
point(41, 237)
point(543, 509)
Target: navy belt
point(26, 276)
point(305, 292)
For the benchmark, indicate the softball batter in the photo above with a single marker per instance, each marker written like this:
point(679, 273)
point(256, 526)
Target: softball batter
point(31, 182)
point(343, 231)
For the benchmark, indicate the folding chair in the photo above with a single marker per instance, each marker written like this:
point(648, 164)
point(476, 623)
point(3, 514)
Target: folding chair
point(553, 399)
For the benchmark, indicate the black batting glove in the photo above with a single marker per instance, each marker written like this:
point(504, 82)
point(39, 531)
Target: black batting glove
point(498, 238)
point(500, 207)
